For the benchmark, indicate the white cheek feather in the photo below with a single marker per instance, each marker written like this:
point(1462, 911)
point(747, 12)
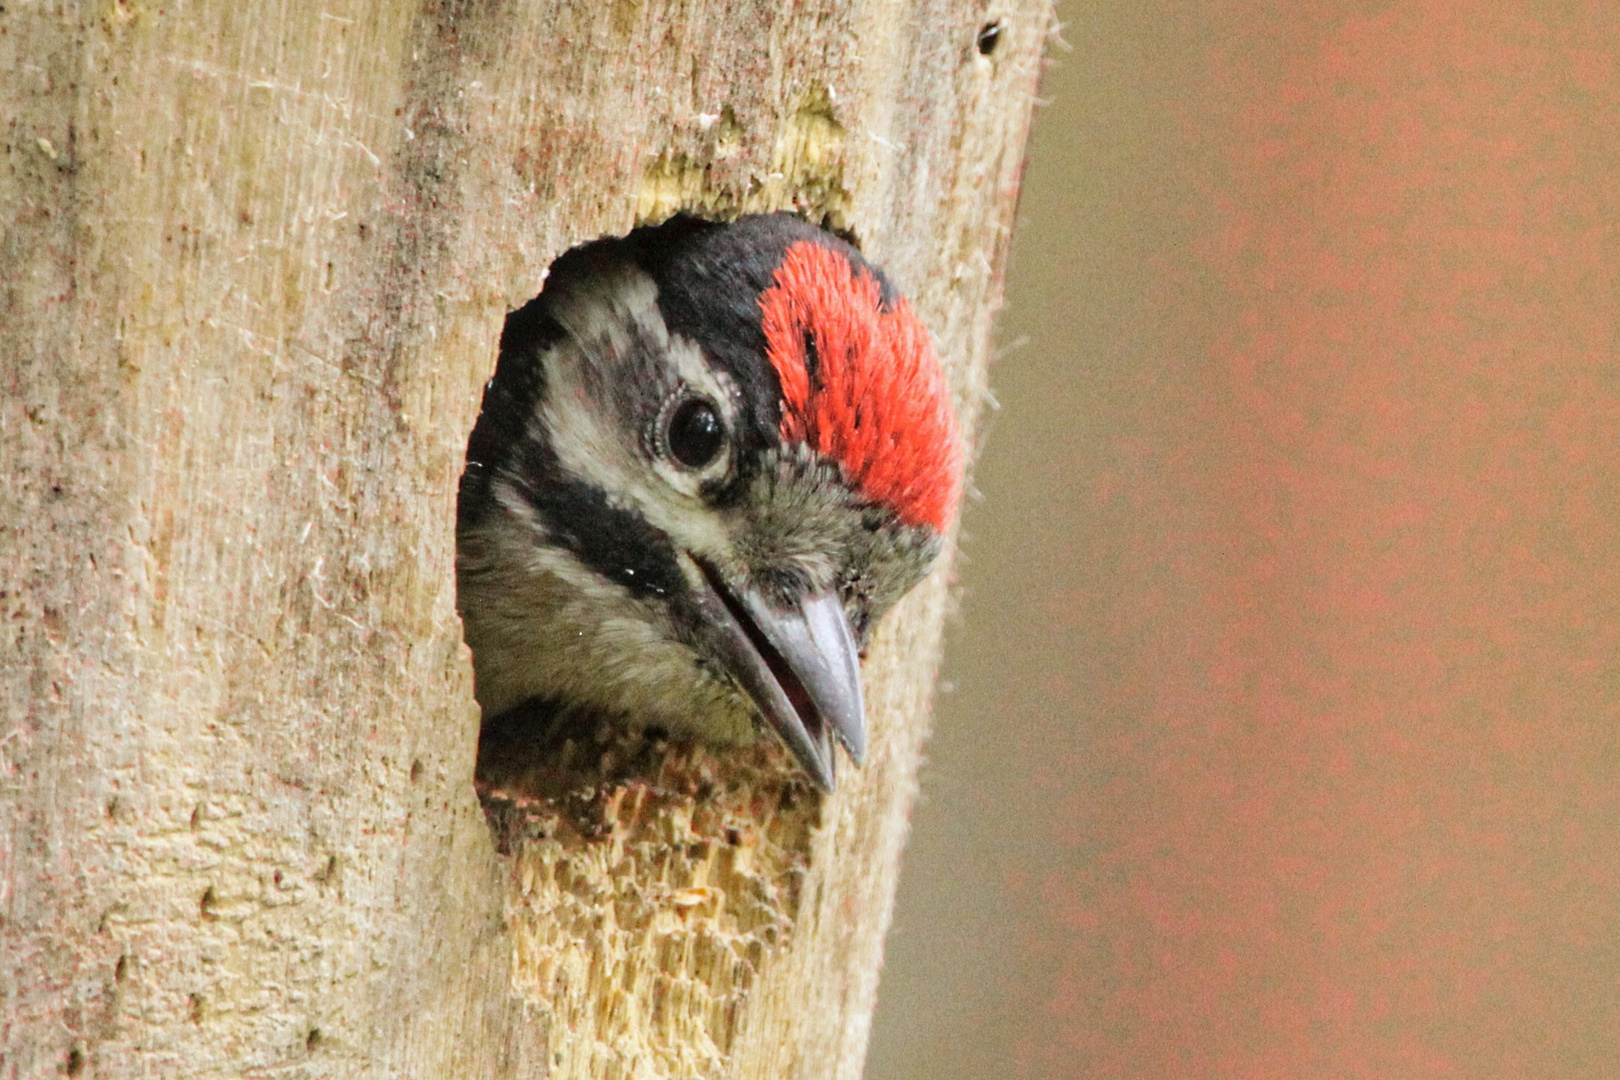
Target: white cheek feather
point(594, 441)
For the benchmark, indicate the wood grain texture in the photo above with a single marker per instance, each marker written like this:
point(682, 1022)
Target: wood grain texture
point(256, 262)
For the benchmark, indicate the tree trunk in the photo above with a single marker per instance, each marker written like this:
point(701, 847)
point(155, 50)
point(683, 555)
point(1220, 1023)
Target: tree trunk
point(256, 263)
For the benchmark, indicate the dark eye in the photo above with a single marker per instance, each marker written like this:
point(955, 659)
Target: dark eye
point(696, 433)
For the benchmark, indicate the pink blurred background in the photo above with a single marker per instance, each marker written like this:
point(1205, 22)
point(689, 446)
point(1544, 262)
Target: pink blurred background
point(1285, 737)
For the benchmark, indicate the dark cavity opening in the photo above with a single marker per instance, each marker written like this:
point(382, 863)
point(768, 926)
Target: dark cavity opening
point(989, 38)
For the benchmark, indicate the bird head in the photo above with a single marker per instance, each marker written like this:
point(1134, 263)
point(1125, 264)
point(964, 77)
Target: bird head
point(710, 458)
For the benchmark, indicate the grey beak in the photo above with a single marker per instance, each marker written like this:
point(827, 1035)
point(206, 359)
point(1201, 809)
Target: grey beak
point(801, 666)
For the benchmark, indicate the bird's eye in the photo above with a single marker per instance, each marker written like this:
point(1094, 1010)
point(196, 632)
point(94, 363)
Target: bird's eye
point(696, 433)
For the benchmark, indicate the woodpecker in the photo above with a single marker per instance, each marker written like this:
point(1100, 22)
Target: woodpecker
point(710, 458)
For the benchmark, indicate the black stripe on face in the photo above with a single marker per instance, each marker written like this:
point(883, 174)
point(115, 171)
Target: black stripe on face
point(619, 544)
point(506, 447)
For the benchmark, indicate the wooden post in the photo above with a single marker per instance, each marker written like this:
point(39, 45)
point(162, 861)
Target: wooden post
point(256, 262)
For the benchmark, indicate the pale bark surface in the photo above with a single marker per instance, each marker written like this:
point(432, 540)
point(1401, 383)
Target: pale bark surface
point(256, 260)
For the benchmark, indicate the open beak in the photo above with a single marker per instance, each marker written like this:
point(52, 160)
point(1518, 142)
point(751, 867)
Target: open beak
point(799, 664)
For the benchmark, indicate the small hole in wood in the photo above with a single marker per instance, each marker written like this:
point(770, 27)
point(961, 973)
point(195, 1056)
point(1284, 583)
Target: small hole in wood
point(75, 1061)
point(989, 38)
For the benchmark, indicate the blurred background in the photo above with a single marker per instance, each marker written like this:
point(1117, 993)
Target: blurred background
point(1285, 731)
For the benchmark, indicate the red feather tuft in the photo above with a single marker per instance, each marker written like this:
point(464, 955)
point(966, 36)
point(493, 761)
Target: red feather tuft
point(876, 402)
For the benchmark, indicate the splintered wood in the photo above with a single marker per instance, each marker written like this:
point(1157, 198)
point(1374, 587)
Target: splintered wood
point(257, 263)
point(644, 908)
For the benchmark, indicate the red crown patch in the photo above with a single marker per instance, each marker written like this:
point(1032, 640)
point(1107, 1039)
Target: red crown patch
point(862, 386)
